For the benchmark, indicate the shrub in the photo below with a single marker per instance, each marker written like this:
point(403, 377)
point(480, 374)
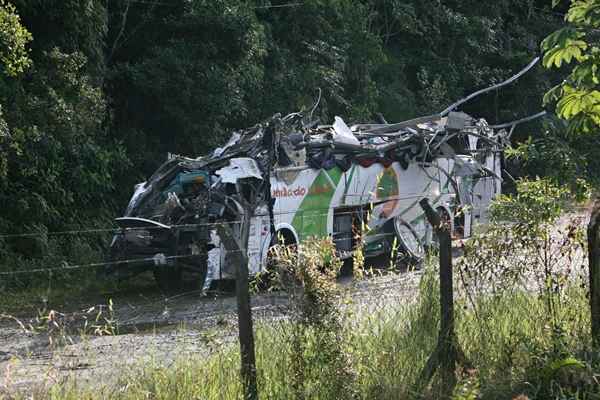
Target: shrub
point(319, 363)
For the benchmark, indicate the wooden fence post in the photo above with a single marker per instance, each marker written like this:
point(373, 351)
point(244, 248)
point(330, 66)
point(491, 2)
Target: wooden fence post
point(593, 232)
point(242, 291)
point(246, 334)
point(447, 352)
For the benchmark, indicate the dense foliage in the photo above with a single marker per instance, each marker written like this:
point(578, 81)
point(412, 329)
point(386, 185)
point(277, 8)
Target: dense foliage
point(576, 46)
point(94, 94)
point(568, 150)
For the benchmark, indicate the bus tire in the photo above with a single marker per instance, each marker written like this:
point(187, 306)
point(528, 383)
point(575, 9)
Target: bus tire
point(347, 268)
point(283, 237)
point(173, 279)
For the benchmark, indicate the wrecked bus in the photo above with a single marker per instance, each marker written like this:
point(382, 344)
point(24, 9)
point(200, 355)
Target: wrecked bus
point(310, 181)
point(289, 178)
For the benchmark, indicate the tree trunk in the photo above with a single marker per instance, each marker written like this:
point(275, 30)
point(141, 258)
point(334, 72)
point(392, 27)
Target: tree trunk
point(594, 273)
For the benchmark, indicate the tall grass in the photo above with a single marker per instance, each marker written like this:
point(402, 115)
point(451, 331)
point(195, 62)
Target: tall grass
point(512, 352)
point(510, 341)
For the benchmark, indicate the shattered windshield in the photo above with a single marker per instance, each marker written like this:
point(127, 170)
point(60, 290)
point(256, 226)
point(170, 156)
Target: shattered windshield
point(173, 195)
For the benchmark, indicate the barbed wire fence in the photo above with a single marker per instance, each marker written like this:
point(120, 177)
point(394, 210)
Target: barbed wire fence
point(310, 214)
point(274, 307)
point(371, 298)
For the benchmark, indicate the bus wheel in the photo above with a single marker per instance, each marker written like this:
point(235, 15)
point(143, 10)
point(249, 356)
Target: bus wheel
point(173, 279)
point(410, 251)
point(347, 268)
point(282, 245)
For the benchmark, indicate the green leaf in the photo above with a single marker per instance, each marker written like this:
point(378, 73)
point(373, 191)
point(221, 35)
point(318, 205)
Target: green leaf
point(573, 49)
point(585, 74)
point(575, 102)
point(560, 37)
point(578, 11)
point(555, 366)
point(585, 12)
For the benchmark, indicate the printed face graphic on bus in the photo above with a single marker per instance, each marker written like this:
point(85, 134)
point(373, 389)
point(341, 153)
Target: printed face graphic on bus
point(387, 190)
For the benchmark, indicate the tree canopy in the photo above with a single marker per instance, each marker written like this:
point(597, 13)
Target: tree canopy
point(574, 48)
point(94, 94)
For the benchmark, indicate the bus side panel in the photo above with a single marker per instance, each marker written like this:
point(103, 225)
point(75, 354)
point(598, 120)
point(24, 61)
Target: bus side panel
point(487, 188)
point(305, 203)
point(400, 190)
point(289, 191)
point(394, 192)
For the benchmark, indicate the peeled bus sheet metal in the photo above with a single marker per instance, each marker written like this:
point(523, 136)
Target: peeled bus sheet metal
point(197, 192)
point(190, 195)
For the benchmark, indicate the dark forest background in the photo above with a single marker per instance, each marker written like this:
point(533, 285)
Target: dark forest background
point(95, 93)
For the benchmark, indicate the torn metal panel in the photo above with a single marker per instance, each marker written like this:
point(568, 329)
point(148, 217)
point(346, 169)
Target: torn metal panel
point(343, 134)
point(491, 88)
point(298, 179)
point(239, 168)
point(235, 137)
point(214, 259)
point(512, 124)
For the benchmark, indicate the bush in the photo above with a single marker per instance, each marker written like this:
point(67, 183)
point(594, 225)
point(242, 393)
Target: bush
point(525, 281)
point(538, 201)
point(319, 361)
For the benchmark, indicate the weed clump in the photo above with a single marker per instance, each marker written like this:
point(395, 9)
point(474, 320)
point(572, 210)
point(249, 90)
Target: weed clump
point(525, 281)
point(319, 363)
point(521, 318)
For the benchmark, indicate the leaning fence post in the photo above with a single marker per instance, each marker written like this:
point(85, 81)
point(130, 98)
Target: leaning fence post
point(593, 232)
point(246, 334)
point(242, 291)
point(446, 354)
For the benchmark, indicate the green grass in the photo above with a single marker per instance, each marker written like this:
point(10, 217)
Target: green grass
point(51, 287)
point(513, 344)
point(72, 291)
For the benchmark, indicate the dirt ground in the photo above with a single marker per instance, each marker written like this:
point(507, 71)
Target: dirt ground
point(155, 329)
point(147, 327)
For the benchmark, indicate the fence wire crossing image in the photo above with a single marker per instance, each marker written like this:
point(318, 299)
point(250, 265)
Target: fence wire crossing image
point(300, 200)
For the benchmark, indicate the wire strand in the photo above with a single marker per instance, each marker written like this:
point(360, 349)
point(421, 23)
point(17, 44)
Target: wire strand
point(115, 230)
point(100, 264)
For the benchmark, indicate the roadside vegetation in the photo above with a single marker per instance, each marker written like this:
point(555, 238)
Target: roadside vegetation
point(522, 321)
point(92, 98)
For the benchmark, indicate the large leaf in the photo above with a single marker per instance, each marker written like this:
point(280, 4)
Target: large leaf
point(576, 101)
point(560, 37)
point(585, 75)
point(578, 11)
point(550, 370)
point(572, 49)
point(584, 12)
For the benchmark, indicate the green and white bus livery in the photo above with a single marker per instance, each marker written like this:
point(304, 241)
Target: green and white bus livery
point(310, 181)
